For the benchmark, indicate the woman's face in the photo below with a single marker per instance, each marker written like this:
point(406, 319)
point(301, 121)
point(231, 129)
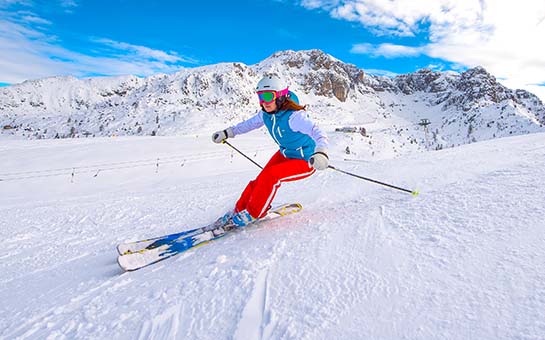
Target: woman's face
point(270, 107)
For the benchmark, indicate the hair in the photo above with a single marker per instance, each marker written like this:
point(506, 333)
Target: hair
point(284, 103)
point(289, 104)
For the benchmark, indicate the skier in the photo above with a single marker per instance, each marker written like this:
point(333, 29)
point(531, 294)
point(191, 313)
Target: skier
point(303, 148)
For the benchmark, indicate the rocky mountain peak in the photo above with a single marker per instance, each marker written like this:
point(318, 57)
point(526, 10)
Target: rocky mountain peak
point(193, 98)
point(477, 84)
point(297, 59)
point(317, 72)
point(421, 80)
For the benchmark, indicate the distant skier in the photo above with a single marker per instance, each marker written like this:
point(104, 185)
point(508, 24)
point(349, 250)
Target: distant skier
point(303, 147)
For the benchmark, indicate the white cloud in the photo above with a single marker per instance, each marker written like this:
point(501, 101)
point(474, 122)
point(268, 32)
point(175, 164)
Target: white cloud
point(8, 3)
point(503, 36)
point(386, 50)
point(144, 52)
point(68, 5)
point(28, 52)
point(364, 48)
point(319, 4)
point(378, 72)
point(35, 20)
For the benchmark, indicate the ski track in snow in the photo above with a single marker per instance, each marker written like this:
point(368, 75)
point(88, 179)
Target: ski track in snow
point(464, 260)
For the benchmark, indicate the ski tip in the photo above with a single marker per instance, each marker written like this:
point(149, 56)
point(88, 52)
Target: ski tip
point(127, 266)
point(122, 265)
point(119, 250)
point(123, 249)
point(415, 193)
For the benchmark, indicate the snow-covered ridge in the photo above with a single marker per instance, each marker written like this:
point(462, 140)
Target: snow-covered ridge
point(461, 108)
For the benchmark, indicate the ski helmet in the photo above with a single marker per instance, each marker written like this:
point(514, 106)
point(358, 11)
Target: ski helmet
point(271, 83)
point(271, 88)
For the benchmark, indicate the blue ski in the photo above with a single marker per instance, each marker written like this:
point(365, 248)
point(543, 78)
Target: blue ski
point(136, 255)
point(151, 243)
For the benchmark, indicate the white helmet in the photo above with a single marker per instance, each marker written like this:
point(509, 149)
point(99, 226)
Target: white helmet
point(271, 83)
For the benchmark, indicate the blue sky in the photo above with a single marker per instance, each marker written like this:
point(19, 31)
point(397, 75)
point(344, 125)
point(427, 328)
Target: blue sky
point(85, 38)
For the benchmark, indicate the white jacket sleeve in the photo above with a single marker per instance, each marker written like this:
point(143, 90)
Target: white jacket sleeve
point(249, 124)
point(300, 122)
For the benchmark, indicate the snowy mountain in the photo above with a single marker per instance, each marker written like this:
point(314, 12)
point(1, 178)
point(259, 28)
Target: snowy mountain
point(463, 260)
point(461, 108)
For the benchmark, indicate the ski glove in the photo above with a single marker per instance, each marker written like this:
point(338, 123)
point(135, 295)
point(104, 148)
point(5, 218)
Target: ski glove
point(220, 136)
point(319, 159)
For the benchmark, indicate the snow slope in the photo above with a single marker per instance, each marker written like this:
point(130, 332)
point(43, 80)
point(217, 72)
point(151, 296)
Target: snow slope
point(464, 260)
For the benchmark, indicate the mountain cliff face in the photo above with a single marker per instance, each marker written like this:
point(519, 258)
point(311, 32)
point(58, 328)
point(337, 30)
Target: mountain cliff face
point(461, 108)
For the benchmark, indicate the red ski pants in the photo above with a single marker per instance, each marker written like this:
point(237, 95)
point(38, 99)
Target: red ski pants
point(259, 193)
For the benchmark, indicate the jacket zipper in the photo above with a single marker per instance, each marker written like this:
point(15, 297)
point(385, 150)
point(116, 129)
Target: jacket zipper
point(273, 126)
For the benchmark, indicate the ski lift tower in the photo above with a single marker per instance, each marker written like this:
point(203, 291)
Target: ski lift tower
point(425, 122)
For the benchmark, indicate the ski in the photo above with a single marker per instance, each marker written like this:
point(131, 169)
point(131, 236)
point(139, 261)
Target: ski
point(151, 243)
point(136, 246)
point(161, 248)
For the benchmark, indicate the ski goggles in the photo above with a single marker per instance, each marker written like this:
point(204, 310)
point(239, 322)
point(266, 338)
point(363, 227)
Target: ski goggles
point(270, 96)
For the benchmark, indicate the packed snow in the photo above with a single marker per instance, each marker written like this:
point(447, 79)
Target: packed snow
point(463, 260)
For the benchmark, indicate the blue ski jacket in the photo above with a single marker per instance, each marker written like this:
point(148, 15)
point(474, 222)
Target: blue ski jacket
point(294, 132)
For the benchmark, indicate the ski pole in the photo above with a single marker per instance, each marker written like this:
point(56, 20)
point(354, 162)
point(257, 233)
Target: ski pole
point(412, 192)
point(240, 152)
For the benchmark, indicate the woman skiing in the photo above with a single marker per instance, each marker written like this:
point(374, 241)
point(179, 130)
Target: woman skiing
point(303, 147)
